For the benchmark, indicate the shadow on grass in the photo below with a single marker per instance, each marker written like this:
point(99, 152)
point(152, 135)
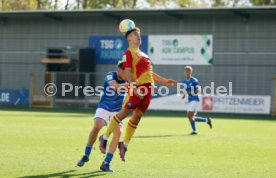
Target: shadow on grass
point(161, 136)
point(161, 114)
point(67, 174)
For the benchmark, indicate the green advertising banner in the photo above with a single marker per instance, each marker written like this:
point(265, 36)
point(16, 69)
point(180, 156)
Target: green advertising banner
point(181, 49)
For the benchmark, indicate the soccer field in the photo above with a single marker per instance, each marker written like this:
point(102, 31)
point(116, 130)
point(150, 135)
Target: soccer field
point(39, 143)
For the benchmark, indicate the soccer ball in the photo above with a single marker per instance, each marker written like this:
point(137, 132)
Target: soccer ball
point(126, 25)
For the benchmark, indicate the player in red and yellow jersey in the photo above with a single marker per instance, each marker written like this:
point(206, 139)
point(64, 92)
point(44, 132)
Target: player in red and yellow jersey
point(138, 68)
point(140, 76)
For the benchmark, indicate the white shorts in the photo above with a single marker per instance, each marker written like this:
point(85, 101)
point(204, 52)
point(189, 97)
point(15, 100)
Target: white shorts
point(193, 106)
point(105, 115)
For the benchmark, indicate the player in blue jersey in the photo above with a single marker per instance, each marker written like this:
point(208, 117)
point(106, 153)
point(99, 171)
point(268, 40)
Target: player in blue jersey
point(110, 104)
point(192, 90)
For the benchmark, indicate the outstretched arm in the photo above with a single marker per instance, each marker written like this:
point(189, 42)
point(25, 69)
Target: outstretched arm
point(160, 79)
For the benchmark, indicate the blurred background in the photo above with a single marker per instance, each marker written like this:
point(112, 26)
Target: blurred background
point(78, 42)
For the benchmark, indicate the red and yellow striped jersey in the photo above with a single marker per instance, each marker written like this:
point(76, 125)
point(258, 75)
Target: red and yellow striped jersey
point(140, 65)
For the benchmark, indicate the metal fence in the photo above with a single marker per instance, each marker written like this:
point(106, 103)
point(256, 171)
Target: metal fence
point(69, 89)
point(63, 89)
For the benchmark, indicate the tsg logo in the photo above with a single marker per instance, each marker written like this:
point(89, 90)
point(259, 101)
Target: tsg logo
point(118, 44)
point(169, 43)
point(111, 44)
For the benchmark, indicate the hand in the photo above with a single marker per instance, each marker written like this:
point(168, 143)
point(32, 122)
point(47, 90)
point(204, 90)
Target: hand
point(171, 82)
point(183, 97)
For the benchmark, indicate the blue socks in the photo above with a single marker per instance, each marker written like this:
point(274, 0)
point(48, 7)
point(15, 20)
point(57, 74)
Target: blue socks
point(193, 126)
point(201, 119)
point(108, 158)
point(197, 119)
point(88, 150)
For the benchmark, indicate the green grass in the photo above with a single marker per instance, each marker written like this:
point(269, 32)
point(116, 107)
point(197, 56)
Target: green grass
point(39, 143)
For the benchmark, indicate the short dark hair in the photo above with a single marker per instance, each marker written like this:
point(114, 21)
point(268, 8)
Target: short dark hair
point(120, 65)
point(132, 30)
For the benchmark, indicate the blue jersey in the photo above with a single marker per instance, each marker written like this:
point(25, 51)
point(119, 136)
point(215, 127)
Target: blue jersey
point(110, 99)
point(191, 86)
